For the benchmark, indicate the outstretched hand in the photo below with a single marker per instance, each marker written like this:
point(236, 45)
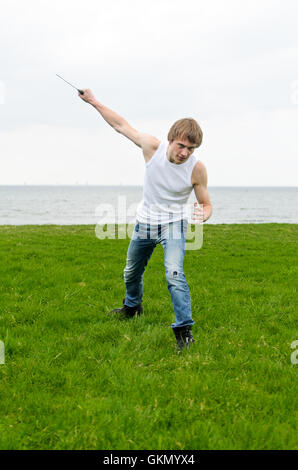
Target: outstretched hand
point(87, 96)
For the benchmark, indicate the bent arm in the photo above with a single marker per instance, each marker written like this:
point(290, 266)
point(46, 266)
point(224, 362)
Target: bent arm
point(201, 191)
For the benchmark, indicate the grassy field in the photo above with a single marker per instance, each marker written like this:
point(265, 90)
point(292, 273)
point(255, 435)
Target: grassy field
point(75, 378)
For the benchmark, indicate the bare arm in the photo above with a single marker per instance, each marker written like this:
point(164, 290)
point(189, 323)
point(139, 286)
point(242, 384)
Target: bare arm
point(201, 191)
point(146, 142)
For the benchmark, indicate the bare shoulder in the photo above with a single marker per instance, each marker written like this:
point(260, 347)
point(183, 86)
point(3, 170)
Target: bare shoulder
point(149, 145)
point(199, 174)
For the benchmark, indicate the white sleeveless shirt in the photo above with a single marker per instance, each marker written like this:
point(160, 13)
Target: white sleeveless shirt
point(167, 187)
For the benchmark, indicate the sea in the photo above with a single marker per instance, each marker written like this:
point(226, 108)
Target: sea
point(86, 204)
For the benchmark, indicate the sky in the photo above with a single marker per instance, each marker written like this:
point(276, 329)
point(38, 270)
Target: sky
point(232, 66)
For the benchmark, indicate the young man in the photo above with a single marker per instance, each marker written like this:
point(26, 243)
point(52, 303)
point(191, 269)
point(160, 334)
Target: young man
point(172, 171)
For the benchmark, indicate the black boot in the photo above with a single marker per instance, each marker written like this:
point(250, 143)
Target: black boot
point(129, 311)
point(183, 336)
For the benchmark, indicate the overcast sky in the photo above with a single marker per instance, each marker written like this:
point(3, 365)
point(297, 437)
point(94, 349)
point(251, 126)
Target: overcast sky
point(232, 65)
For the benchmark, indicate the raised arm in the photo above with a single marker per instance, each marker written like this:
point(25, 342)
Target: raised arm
point(146, 142)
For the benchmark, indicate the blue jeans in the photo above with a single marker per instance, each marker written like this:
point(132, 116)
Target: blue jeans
point(172, 238)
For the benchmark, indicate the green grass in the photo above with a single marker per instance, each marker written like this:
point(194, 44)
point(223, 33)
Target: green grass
point(75, 378)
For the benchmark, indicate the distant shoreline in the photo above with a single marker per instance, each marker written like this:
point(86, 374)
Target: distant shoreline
point(88, 204)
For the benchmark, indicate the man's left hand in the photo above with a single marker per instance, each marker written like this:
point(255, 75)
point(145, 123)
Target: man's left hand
point(198, 214)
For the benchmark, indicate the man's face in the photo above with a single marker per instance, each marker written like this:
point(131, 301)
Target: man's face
point(179, 150)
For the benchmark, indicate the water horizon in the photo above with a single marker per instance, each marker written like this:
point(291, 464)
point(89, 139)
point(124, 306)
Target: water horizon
point(78, 204)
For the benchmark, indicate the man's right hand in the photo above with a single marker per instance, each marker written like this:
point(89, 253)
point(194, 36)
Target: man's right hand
point(87, 96)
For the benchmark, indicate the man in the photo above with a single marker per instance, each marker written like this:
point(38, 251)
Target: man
point(172, 171)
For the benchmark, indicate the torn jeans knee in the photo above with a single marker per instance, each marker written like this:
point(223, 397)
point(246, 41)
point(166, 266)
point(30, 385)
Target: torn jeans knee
point(174, 275)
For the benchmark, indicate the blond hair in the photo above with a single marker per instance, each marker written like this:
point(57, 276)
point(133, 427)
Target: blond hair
point(186, 128)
